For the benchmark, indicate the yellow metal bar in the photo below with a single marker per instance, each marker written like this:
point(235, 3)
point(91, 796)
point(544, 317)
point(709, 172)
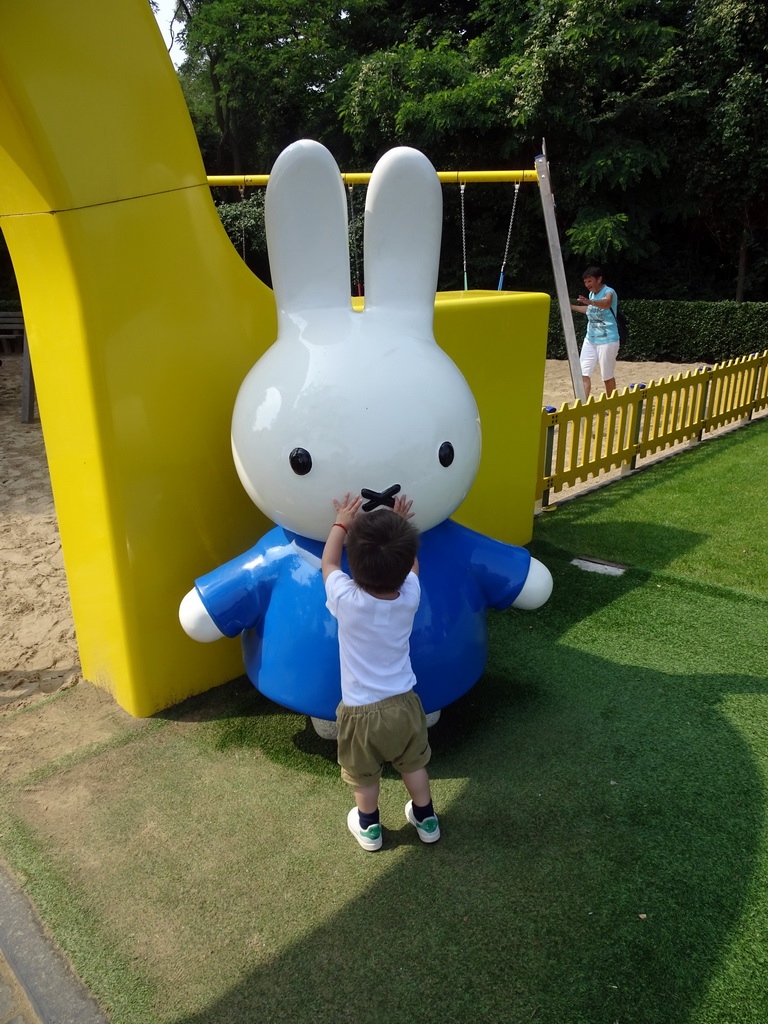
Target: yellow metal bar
point(362, 178)
point(238, 180)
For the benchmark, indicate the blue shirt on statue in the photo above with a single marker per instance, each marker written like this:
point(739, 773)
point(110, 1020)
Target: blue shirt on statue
point(274, 595)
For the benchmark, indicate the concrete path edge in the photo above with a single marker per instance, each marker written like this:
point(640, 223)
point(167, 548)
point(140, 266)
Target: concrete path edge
point(54, 992)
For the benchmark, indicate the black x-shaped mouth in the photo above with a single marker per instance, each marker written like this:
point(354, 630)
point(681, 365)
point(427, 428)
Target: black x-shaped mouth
point(376, 498)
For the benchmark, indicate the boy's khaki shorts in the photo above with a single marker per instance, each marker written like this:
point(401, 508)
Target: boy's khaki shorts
point(369, 735)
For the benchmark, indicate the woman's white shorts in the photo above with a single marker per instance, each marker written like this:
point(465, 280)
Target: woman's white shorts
point(605, 354)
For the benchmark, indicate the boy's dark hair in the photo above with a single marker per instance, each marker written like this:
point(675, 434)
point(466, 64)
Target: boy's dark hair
point(593, 271)
point(381, 548)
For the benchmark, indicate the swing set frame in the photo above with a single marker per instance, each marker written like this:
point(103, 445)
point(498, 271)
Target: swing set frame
point(540, 174)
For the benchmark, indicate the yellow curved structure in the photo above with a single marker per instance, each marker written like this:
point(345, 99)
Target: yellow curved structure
point(142, 321)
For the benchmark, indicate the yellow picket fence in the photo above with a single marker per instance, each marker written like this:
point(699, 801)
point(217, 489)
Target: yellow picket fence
point(585, 439)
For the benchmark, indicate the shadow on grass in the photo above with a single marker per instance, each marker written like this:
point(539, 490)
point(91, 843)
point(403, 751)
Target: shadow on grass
point(237, 715)
point(597, 865)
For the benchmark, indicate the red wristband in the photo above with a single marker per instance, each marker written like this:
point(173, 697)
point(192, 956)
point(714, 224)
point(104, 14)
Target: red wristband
point(342, 526)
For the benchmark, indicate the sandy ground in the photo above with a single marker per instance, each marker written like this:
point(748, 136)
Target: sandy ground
point(38, 648)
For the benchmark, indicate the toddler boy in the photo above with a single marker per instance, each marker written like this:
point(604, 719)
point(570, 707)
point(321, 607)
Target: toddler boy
point(380, 717)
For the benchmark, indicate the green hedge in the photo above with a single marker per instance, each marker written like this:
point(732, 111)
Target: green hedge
point(663, 330)
point(10, 306)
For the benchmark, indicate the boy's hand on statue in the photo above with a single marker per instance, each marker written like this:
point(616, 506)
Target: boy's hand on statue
point(402, 506)
point(347, 508)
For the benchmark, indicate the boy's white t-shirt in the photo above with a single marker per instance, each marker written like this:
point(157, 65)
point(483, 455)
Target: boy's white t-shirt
point(374, 638)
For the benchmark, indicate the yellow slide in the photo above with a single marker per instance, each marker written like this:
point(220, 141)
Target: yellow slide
point(142, 321)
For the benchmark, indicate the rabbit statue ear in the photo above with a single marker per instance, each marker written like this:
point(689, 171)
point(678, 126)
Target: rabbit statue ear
point(305, 213)
point(403, 225)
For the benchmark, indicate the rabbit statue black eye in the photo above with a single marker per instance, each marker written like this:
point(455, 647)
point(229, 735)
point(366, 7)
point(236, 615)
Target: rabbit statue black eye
point(301, 461)
point(446, 453)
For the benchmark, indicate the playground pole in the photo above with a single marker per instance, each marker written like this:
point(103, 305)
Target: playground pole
point(548, 206)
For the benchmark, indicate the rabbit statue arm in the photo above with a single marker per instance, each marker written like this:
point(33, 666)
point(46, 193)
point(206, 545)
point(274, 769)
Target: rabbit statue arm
point(507, 574)
point(236, 596)
point(195, 620)
point(537, 587)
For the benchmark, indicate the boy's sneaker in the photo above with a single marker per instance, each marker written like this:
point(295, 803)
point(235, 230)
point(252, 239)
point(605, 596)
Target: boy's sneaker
point(428, 830)
point(369, 838)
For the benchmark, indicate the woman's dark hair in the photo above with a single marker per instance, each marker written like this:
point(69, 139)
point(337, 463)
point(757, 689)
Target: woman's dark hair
point(381, 548)
point(593, 271)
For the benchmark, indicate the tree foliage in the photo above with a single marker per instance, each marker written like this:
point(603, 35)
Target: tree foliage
point(728, 48)
point(653, 113)
point(264, 68)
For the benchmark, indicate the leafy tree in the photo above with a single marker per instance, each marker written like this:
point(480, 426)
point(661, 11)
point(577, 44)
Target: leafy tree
point(728, 167)
point(260, 69)
point(652, 110)
point(656, 106)
point(421, 85)
point(595, 80)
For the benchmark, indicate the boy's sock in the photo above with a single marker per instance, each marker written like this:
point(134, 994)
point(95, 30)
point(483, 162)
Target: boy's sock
point(366, 820)
point(421, 813)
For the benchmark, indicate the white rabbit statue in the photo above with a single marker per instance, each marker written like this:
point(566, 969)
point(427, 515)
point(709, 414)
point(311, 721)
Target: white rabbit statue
point(359, 402)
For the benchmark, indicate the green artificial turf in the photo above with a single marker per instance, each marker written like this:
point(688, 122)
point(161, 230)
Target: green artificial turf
point(602, 794)
point(700, 514)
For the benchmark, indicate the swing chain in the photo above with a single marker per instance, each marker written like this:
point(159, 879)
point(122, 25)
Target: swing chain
point(511, 222)
point(509, 235)
point(463, 235)
point(242, 219)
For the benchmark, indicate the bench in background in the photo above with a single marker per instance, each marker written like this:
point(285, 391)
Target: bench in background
point(13, 339)
point(11, 332)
